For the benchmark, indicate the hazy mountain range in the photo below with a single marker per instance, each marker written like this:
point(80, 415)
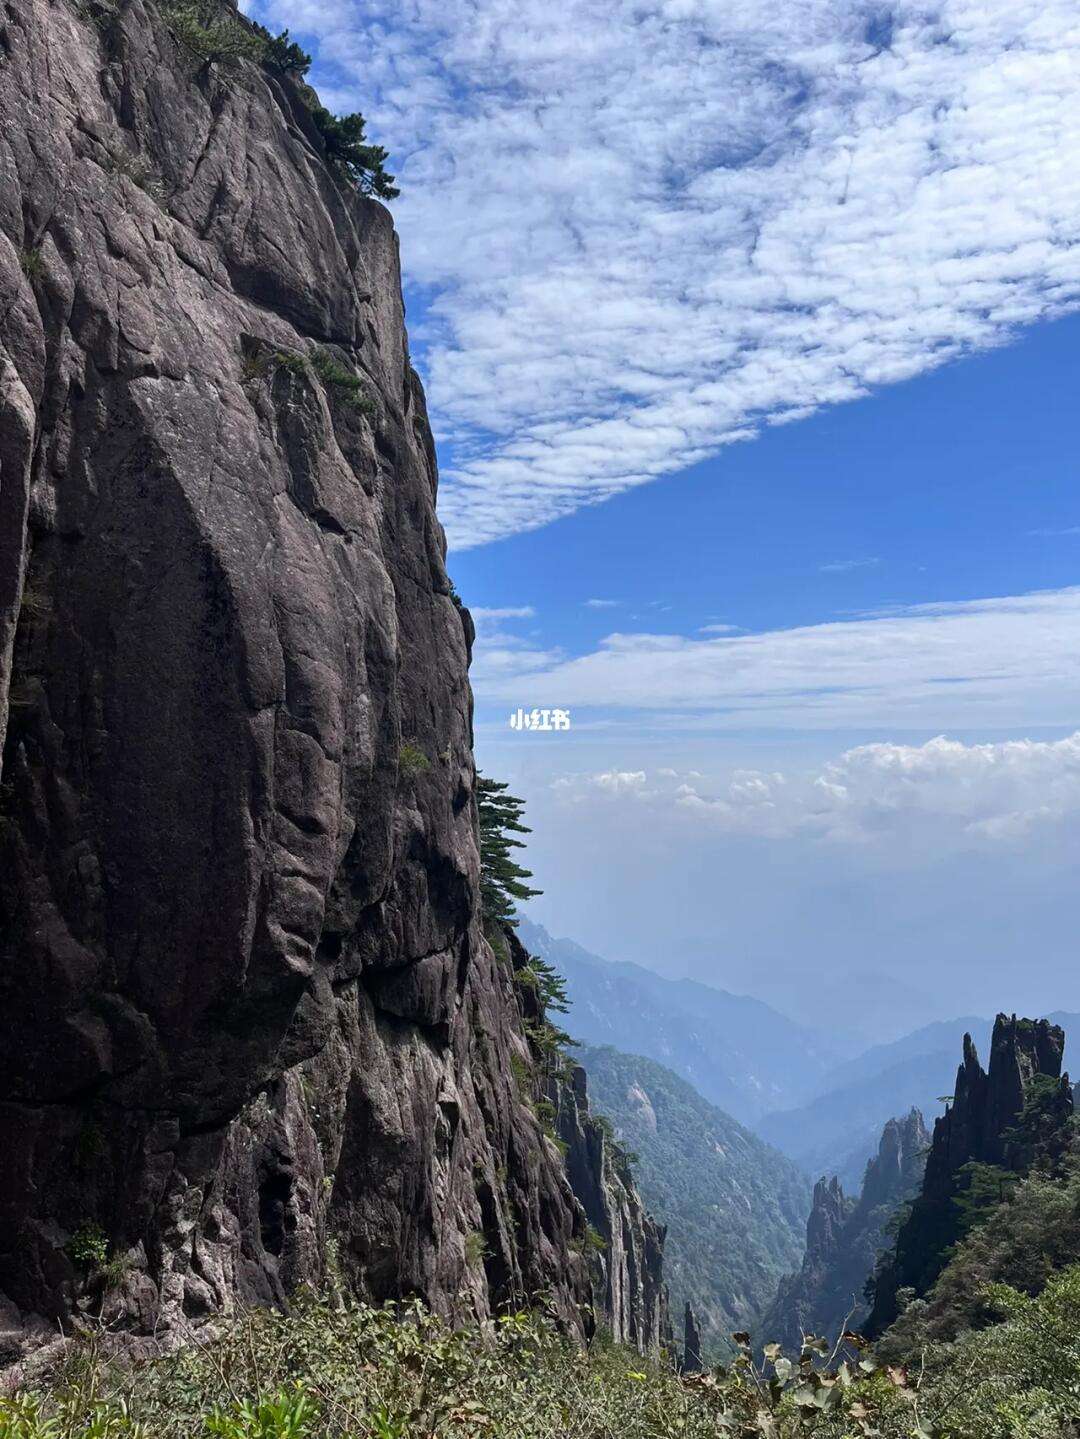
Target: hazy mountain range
point(836, 1130)
point(737, 1052)
point(811, 1093)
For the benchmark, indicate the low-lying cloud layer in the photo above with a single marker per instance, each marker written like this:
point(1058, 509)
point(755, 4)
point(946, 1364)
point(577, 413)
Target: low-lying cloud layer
point(943, 791)
point(1010, 662)
point(643, 230)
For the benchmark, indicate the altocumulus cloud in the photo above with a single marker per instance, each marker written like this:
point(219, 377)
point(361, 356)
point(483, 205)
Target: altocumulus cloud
point(943, 791)
point(1009, 662)
point(644, 230)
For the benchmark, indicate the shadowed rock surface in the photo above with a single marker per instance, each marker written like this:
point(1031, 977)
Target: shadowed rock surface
point(691, 1355)
point(246, 1005)
point(626, 1245)
point(843, 1239)
point(980, 1127)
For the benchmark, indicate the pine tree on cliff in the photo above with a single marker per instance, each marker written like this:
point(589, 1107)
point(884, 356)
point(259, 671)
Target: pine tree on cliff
point(502, 880)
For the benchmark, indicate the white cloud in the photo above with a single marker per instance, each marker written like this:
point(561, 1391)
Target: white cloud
point(484, 618)
point(1054, 534)
point(500, 652)
point(602, 604)
point(1009, 663)
point(645, 229)
point(608, 782)
point(841, 567)
point(720, 629)
point(944, 792)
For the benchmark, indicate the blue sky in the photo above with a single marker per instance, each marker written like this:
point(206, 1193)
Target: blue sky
point(958, 485)
point(755, 324)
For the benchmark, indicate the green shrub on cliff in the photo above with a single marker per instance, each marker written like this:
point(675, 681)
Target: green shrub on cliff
point(502, 880)
point(209, 32)
point(351, 157)
point(412, 761)
point(342, 382)
point(281, 53)
point(1032, 1235)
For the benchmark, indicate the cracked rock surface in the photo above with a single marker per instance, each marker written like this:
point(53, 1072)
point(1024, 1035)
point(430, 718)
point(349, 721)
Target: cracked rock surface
point(246, 1005)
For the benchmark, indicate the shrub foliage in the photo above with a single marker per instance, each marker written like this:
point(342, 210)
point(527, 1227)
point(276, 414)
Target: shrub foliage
point(209, 33)
point(351, 157)
point(344, 1371)
point(502, 880)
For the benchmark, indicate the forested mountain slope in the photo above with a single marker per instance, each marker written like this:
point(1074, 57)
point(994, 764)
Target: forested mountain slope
point(735, 1209)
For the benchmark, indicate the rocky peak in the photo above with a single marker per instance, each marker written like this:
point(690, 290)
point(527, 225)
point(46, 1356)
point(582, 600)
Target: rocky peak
point(625, 1244)
point(691, 1355)
point(987, 1103)
point(979, 1126)
point(898, 1165)
point(843, 1237)
point(828, 1213)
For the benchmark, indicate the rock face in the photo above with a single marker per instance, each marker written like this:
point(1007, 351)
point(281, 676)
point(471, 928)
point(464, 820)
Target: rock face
point(691, 1355)
point(625, 1244)
point(982, 1127)
point(246, 1005)
point(843, 1239)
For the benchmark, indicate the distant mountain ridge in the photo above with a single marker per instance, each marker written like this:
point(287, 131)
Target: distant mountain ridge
point(836, 1130)
point(736, 1051)
point(735, 1208)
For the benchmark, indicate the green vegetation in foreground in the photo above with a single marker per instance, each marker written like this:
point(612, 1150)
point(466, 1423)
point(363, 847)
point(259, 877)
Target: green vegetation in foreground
point(353, 1372)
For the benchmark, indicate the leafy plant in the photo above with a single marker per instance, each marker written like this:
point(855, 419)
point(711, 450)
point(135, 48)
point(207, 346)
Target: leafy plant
point(88, 1247)
point(343, 1370)
point(475, 1247)
point(75, 1416)
point(548, 983)
point(282, 54)
point(350, 157)
point(412, 761)
point(291, 362)
point(523, 1077)
point(336, 377)
point(32, 263)
point(594, 1240)
point(288, 1415)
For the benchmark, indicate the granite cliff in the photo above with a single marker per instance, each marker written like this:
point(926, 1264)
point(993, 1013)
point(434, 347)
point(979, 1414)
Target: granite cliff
point(997, 1122)
point(843, 1239)
point(250, 1024)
